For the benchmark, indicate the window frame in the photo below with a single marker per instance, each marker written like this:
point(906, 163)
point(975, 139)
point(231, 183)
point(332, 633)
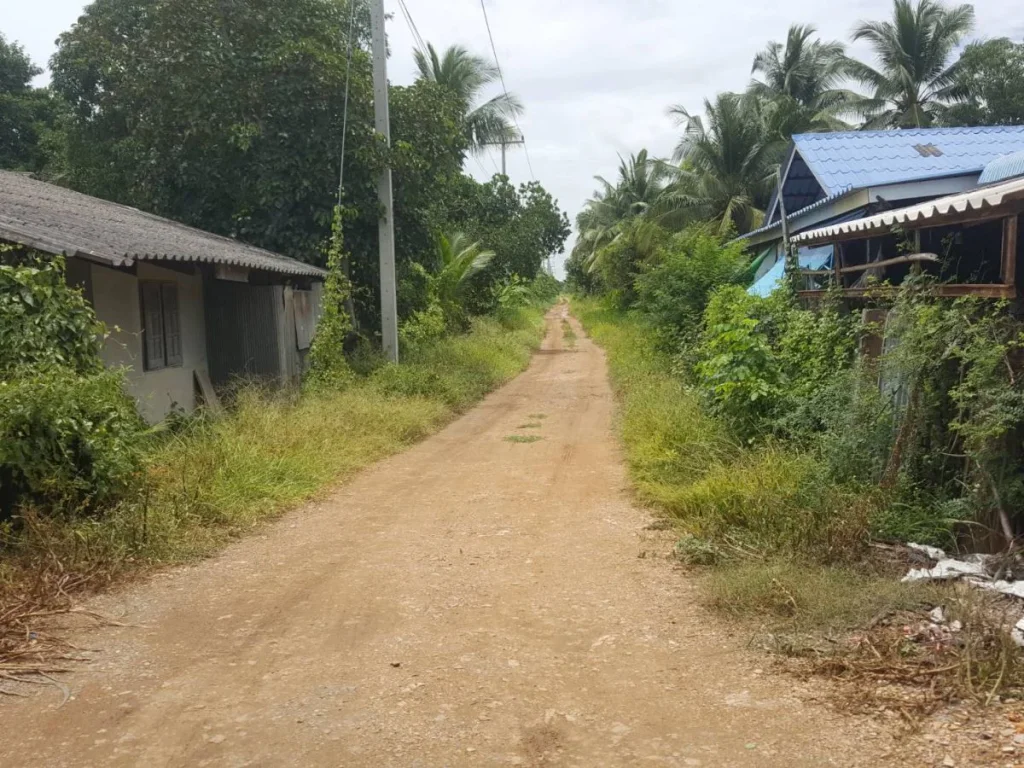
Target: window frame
point(162, 344)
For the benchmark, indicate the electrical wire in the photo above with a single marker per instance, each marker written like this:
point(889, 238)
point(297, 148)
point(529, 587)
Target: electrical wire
point(344, 112)
point(480, 165)
point(413, 29)
point(494, 163)
point(501, 77)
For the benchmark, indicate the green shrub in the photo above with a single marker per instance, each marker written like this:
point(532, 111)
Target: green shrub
point(67, 440)
point(42, 320)
point(69, 435)
point(423, 327)
point(674, 286)
point(729, 500)
point(738, 371)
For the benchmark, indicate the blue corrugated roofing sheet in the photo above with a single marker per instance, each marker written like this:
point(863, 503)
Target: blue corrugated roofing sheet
point(809, 258)
point(861, 159)
point(1003, 168)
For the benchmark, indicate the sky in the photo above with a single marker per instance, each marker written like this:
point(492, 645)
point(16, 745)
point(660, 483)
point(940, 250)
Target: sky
point(596, 76)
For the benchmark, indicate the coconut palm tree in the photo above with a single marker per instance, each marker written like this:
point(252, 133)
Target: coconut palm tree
point(458, 261)
point(801, 81)
point(639, 185)
point(726, 165)
point(914, 82)
point(466, 75)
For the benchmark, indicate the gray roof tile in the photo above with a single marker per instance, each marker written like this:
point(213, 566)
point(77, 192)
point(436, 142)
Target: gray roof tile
point(58, 220)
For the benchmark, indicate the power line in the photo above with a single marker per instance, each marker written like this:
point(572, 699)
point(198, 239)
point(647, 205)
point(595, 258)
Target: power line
point(494, 163)
point(480, 165)
point(501, 77)
point(417, 39)
point(344, 117)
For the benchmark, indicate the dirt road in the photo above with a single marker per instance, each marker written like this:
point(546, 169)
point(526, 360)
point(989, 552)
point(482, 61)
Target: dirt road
point(474, 601)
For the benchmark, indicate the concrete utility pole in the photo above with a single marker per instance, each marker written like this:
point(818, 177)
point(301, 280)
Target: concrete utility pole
point(388, 292)
point(504, 143)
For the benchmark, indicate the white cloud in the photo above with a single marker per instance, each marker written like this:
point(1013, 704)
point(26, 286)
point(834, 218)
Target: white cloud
point(596, 76)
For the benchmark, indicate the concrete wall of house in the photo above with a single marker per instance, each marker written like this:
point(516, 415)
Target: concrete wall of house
point(115, 296)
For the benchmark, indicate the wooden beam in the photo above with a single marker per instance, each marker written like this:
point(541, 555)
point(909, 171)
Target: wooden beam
point(954, 290)
point(1009, 267)
point(913, 258)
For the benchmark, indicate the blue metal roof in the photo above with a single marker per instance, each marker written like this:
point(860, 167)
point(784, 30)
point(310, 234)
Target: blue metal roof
point(861, 159)
point(794, 214)
point(1003, 168)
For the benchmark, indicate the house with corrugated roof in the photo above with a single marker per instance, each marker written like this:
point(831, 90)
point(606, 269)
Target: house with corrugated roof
point(187, 311)
point(968, 242)
point(831, 178)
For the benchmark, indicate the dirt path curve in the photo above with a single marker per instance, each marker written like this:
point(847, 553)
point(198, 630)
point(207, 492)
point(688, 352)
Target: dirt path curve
point(472, 601)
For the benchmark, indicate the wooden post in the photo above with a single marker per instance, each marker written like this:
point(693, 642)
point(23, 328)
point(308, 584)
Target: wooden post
point(1009, 266)
point(837, 258)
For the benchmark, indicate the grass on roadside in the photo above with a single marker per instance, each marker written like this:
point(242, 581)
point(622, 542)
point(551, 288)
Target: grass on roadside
point(781, 552)
point(215, 479)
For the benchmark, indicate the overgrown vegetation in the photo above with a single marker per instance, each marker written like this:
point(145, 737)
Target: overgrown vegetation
point(783, 456)
point(69, 434)
point(213, 478)
point(237, 128)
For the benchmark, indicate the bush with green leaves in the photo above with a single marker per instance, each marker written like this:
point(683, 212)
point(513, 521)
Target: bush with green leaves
point(674, 286)
point(42, 320)
point(738, 371)
point(69, 434)
point(68, 441)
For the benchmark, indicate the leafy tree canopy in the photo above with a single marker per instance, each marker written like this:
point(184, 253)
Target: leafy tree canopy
point(992, 73)
point(26, 113)
point(228, 114)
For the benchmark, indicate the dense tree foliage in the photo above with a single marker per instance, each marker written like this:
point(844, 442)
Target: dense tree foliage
point(224, 115)
point(228, 115)
point(466, 74)
point(26, 113)
point(992, 74)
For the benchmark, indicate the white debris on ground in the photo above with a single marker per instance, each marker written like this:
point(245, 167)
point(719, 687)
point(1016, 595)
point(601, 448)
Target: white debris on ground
point(976, 570)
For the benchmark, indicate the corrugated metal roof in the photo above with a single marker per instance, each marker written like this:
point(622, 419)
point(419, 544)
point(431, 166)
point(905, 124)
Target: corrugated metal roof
point(991, 196)
point(58, 220)
point(791, 216)
point(861, 159)
point(1002, 168)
